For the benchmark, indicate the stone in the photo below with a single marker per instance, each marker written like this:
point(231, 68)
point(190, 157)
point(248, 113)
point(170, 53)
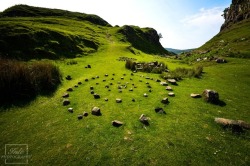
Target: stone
point(91, 88)
point(85, 114)
point(106, 99)
point(103, 80)
point(118, 100)
point(68, 77)
point(157, 80)
point(132, 74)
point(169, 88)
point(140, 80)
point(65, 95)
point(69, 90)
point(80, 117)
point(160, 110)
point(124, 74)
point(66, 102)
point(164, 83)
point(150, 90)
point(70, 110)
point(171, 94)
point(210, 96)
point(147, 78)
point(117, 123)
point(143, 119)
point(221, 60)
point(120, 91)
point(145, 95)
point(149, 86)
point(165, 100)
point(76, 86)
point(97, 76)
point(113, 74)
point(79, 83)
point(131, 89)
point(106, 75)
point(119, 87)
point(133, 100)
point(122, 78)
point(107, 86)
point(130, 79)
point(111, 83)
point(112, 78)
point(195, 95)
point(96, 111)
point(93, 78)
point(96, 96)
point(147, 82)
point(89, 66)
point(86, 80)
point(172, 81)
point(92, 92)
point(235, 125)
point(97, 83)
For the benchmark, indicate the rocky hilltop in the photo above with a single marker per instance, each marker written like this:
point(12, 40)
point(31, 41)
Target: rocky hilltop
point(238, 11)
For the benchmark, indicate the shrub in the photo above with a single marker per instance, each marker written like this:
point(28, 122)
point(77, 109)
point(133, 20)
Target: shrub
point(23, 81)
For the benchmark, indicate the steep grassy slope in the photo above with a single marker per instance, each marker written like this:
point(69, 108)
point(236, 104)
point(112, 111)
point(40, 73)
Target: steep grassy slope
point(231, 42)
point(30, 32)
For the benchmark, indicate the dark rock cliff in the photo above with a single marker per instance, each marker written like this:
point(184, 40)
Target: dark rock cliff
point(238, 11)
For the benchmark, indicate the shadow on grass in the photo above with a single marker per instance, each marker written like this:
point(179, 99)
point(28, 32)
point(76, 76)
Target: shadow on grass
point(220, 103)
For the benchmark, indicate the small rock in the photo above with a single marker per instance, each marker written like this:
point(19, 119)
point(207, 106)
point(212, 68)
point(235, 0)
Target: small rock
point(147, 82)
point(165, 100)
point(97, 83)
point(85, 114)
point(96, 111)
point(113, 74)
point(106, 75)
point(68, 77)
point(149, 86)
point(195, 95)
point(76, 86)
point(93, 78)
point(79, 83)
point(120, 91)
point(103, 80)
point(169, 88)
point(145, 95)
point(150, 90)
point(65, 95)
point(70, 110)
point(118, 100)
point(66, 102)
point(89, 66)
point(171, 94)
point(124, 74)
point(132, 74)
point(69, 90)
point(117, 123)
point(122, 78)
point(172, 81)
point(91, 88)
point(96, 96)
point(164, 83)
point(157, 80)
point(107, 86)
point(147, 78)
point(143, 119)
point(131, 89)
point(140, 80)
point(92, 92)
point(80, 117)
point(112, 78)
point(86, 80)
point(106, 99)
point(133, 100)
point(160, 110)
point(97, 76)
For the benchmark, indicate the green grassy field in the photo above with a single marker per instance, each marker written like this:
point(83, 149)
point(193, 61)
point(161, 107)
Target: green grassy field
point(186, 135)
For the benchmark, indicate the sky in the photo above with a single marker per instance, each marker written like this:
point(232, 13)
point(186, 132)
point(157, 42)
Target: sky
point(183, 24)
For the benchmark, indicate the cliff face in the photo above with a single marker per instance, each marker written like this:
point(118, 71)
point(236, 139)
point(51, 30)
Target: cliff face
point(238, 11)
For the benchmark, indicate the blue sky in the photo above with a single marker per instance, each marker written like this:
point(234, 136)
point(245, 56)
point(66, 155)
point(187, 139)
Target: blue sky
point(183, 23)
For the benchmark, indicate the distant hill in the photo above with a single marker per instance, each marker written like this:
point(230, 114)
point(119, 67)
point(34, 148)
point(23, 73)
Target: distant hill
point(177, 51)
point(28, 32)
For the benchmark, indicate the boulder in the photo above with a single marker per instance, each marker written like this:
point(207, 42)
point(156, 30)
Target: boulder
point(96, 111)
point(172, 81)
point(169, 88)
point(165, 100)
point(66, 102)
point(143, 119)
point(171, 94)
point(70, 110)
point(235, 125)
point(97, 96)
point(195, 95)
point(65, 95)
point(69, 90)
point(160, 110)
point(118, 100)
point(210, 96)
point(117, 123)
point(164, 83)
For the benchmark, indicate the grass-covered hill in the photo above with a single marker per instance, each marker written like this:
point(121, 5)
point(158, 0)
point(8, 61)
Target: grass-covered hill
point(31, 32)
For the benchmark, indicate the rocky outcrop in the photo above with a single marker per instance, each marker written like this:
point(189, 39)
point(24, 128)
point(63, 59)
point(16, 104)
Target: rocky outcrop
point(239, 10)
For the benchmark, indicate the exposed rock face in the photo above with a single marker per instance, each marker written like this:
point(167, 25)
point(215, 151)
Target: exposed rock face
point(239, 10)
